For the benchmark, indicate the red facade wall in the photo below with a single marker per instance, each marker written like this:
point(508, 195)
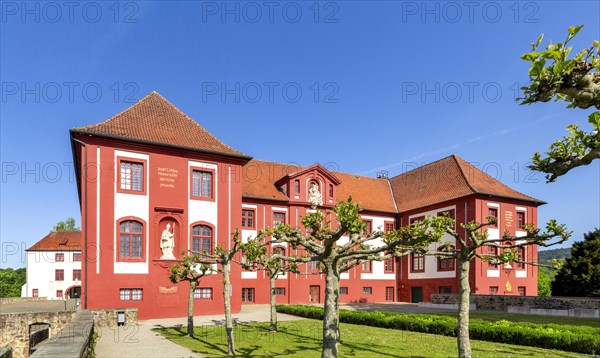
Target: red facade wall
point(161, 298)
point(468, 209)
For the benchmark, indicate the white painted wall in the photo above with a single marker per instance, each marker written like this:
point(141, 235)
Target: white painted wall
point(131, 205)
point(40, 273)
point(203, 210)
point(431, 266)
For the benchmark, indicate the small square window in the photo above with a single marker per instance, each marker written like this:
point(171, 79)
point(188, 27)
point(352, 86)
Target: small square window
point(130, 294)
point(278, 219)
point(35, 292)
point(248, 218)
point(59, 294)
point(247, 295)
point(445, 289)
point(59, 257)
point(368, 227)
point(367, 266)
point(131, 176)
point(493, 212)
point(520, 219)
point(203, 293)
point(493, 290)
point(76, 257)
point(279, 291)
point(522, 291)
point(389, 265)
point(59, 275)
point(389, 226)
point(76, 275)
point(202, 184)
point(418, 262)
point(343, 290)
point(367, 290)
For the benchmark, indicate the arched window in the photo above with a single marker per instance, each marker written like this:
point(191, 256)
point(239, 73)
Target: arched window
point(202, 239)
point(279, 251)
point(131, 234)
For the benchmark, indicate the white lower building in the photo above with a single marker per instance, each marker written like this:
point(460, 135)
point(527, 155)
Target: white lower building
point(54, 266)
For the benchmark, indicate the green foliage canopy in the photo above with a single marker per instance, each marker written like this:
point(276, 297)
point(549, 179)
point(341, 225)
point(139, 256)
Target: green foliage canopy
point(553, 75)
point(580, 274)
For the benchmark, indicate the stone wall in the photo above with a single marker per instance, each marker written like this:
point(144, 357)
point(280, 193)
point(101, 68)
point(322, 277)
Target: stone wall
point(15, 328)
point(73, 341)
point(21, 299)
point(5, 352)
point(502, 303)
point(108, 317)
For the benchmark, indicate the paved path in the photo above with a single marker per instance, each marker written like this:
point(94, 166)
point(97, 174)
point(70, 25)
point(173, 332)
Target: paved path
point(140, 341)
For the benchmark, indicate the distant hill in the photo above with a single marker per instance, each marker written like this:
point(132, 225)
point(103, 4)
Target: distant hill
point(546, 256)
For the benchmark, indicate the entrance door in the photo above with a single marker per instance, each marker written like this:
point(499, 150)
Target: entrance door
point(417, 294)
point(314, 294)
point(74, 292)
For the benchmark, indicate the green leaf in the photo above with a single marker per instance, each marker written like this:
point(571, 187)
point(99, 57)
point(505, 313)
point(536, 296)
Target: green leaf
point(531, 56)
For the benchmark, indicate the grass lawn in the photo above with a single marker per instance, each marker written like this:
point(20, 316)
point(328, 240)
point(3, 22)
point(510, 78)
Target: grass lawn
point(302, 338)
point(516, 317)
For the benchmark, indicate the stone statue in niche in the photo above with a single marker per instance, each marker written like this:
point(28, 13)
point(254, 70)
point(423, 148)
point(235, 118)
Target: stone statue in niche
point(167, 243)
point(314, 196)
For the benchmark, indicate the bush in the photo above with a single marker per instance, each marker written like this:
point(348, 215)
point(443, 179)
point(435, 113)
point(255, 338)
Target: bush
point(579, 339)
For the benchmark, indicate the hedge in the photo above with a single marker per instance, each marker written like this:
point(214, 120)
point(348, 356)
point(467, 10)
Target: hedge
point(580, 339)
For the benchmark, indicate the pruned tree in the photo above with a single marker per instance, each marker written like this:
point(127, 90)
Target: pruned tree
point(553, 75)
point(191, 269)
point(259, 258)
point(223, 257)
point(341, 248)
point(475, 243)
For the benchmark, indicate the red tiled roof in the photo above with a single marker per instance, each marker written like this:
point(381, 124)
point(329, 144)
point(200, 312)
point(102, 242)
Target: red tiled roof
point(59, 241)
point(153, 119)
point(260, 177)
point(446, 179)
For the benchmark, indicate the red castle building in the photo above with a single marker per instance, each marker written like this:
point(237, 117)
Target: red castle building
point(152, 165)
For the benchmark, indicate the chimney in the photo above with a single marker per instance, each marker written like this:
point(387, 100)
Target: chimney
point(382, 174)
point(54, 229)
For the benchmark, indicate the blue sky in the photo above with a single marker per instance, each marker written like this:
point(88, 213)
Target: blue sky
point(359, 86)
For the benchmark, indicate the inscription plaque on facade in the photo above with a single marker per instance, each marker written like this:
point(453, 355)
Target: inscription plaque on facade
point(167, 176)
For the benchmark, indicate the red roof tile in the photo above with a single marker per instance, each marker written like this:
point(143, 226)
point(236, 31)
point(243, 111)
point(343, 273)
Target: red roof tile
point(260, 177)
point(59, 241)
point(446, 179)
point(153, 119)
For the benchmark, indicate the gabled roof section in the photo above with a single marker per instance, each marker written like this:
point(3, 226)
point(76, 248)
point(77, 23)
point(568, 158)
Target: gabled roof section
point(318, 167)
point(447, 179)
point(155, 120)
point(59, 241)
point(260, 178)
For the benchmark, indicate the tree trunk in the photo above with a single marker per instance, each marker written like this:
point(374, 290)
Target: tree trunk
point(227, 304)
point(273, 326)
point(331, 313)
point(190, 320)
point(464, 343)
